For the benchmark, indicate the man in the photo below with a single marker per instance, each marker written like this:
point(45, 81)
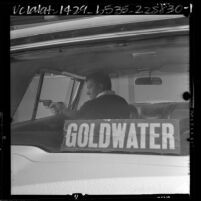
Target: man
point(103, 103)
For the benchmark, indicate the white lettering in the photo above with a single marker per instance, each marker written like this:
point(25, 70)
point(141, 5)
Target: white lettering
point(91, 137)
point(83, 135)
point(132, 138)
point(105, 131)
point(42, 10)
point(16, 10)
point(48, 10)
point(168, 134)
point(143, 127)
point(22, 11)
point(71, 132)
point(120, 135)
point(154, 135)
point(31, 10)
point(118, 132)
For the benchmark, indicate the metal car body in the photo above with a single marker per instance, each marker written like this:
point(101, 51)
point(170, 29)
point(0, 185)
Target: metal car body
point(121, 46)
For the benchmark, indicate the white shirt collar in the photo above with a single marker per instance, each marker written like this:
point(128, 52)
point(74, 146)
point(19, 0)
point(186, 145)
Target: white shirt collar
point(106, 92)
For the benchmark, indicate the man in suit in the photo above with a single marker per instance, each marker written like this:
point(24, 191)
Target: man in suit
point(103, 103)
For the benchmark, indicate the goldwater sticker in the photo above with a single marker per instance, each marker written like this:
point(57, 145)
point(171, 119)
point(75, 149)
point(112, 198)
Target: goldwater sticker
point(134, 136)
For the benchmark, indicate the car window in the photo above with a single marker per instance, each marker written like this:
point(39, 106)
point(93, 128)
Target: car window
point(25, 109)
point(55, 88)
point(171, 90)
point(83, 96)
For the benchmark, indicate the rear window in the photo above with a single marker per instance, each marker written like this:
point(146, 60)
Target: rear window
point(171, 90)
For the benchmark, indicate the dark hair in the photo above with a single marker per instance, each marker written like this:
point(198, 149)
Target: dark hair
point(101, 78)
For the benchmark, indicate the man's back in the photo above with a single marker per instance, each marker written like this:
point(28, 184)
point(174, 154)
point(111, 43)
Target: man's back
point(104, 107)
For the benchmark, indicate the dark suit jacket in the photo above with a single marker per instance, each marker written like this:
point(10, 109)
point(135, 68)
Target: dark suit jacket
point(109, 106)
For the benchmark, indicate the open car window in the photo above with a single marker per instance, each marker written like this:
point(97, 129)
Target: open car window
point(55, 88)
point(43, 90)
point(25, 109)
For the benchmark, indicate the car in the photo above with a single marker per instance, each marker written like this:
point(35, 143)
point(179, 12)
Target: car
point(147, 58)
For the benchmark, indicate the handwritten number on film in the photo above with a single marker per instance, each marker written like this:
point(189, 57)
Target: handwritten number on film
point(74, 10)
point(159, 8)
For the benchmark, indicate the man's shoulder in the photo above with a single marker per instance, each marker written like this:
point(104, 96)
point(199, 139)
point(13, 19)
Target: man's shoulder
point(87, 103)
point(105, 106)
point(112, 97)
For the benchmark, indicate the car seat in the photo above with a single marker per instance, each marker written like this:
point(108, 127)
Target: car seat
point(133, 112)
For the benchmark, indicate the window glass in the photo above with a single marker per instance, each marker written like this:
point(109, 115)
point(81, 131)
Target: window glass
point(171, 90)
point(55, 88)
point(25, 109)
point(76, 86)
point(121, 86)
point(83, 96)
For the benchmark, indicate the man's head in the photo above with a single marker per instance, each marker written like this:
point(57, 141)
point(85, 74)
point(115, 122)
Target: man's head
point(97, 83)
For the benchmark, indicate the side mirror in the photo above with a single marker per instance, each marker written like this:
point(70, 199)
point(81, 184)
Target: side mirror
point(148, 81)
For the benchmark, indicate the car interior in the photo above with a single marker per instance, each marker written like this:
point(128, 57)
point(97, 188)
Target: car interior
point(142, 56)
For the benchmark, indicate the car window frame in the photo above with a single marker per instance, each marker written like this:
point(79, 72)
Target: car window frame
point(72, 103)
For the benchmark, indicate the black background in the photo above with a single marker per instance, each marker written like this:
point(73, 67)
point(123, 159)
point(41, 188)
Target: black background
point(195, 114)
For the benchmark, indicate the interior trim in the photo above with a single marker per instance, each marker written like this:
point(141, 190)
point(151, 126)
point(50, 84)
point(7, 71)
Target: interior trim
point(99, 37)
